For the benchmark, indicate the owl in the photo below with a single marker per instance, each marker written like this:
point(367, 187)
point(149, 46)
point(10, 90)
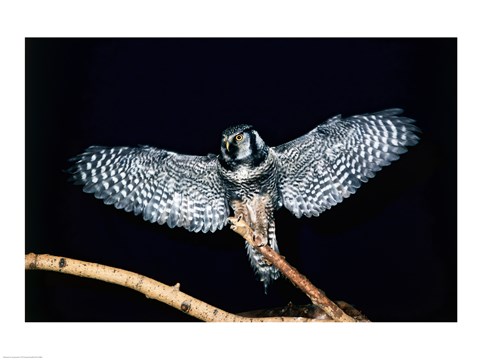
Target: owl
point(307, 176)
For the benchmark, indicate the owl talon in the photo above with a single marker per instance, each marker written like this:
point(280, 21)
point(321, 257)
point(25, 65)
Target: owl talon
point(259, 240)
point(233, 220)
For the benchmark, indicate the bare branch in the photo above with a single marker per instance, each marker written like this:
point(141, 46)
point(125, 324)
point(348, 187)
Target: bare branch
point(316, 296)
point(170, 295)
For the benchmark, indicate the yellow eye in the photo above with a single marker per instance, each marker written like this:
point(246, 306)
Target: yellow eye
point(239, 137)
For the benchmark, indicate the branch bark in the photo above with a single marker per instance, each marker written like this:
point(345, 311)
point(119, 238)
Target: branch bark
point(170, 295)
point(317, 296)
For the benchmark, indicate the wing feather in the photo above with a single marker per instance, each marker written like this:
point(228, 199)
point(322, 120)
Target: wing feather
point(326, 165)
point(165, 187)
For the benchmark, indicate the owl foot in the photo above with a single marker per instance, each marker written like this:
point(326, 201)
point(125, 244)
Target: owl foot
point(238, 225)
point(232, 220)
point(259, 240)
point(237, 222)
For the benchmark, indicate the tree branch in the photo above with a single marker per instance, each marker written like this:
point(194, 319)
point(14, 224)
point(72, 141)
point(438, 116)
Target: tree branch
point(317, 296)
point(322, 310)
point(170, 295)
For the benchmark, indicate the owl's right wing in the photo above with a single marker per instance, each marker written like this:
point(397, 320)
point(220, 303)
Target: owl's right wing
point(166, 187)
point(321, 168)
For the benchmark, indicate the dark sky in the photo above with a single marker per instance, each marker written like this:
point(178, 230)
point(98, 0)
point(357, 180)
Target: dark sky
point(390, 249)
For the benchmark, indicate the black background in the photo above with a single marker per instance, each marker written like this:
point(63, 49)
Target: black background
point(390, 250)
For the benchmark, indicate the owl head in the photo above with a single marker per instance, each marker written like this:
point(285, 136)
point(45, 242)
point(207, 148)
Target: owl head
point(241, 145)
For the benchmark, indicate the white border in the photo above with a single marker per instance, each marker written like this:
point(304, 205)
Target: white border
point(22, 19)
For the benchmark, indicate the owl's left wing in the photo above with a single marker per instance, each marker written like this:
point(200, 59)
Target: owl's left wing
point(326, 165)
point(166, 187)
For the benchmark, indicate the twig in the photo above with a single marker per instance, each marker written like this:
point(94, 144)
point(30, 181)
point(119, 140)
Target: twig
point(170, 295)
point(317, 296)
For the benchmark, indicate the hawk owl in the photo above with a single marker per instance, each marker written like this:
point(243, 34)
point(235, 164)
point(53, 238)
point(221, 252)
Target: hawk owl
point(307, 176)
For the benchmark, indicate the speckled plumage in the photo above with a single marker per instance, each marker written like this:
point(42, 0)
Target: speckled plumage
point(307, 175)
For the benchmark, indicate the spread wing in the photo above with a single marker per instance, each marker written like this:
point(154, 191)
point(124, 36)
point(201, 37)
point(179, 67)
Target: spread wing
point(179, 190)
point(321, 168)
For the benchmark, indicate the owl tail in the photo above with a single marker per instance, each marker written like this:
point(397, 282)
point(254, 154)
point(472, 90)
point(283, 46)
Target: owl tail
point(265, 272)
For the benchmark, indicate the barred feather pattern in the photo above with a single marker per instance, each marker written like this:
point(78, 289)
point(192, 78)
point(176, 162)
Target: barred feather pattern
point(320, 169)
point(265, 272)
point(307, 175)
point(257, 212)
point(179, 190)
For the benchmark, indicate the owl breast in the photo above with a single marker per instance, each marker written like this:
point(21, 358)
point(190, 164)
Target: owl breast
point(246, 182)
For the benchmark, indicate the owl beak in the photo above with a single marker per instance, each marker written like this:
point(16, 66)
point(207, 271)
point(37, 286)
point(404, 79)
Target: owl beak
point(227, 144)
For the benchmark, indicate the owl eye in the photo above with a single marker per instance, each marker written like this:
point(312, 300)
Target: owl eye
point(239, 137)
